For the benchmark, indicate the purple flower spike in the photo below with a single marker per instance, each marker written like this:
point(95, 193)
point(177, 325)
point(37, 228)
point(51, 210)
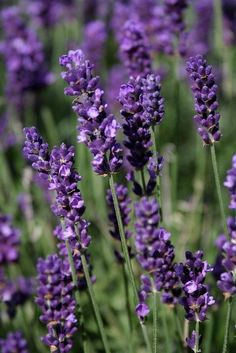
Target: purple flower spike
point(135, 50)
point(97, 129)
point(175, 10)
point(230, 183)
point(152, 101)
point(191, 341)
point(94, 49)
point(196, 299)
point(9, 241)
point(155, 253)
point(205, 96)
point(24, 58)
point(136, 126)
point(56, 301)
point(14, 342)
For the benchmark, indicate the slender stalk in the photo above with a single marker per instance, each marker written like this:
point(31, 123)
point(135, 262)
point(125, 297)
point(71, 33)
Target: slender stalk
point(155, 152)
point(218, 33)
point(143, 181)
point(179, 330)
point(228, 317)
point(77, 297)
point(123, 239)
point(126, 255)
point(155, 321)
point(94, 304)
point(196, 347)
point(127, 303)
point(218, 188)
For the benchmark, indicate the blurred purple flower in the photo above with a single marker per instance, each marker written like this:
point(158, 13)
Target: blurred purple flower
point(205, 96)
point(230, 183)
point(135, 50)
point(24, 58)
point(9, 240)
point(94, 48)
point(14, 342)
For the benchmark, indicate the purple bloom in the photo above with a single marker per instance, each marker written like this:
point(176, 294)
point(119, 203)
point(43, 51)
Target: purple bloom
point(142, 108)
point(151, 99)
point(136, 126)
point(94, 49)
point(155, 253)
point(24, 58)
point(198, 39)
point(14, 342)
point(135, 49)
point(175, 11)
point(230, 183)
point(191, 341)
point(8, 137)
point(96, 127)
point(58, 168)
point(55, 298)
point(205, 95)
point(196, 299)
point(16, 292)
point(48, 13)
point(9, 241)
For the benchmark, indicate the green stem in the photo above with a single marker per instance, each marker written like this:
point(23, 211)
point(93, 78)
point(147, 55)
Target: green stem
point(143, 181)
point(179, 330)
point(196, 347)
point(218, 32)
point(128, 308)
point(123, 238)
point(126, 254)
point(218, 188)
point(77, 296)
point(94, 304)
point(158, 177)
point(155, 321)
point(228, 317)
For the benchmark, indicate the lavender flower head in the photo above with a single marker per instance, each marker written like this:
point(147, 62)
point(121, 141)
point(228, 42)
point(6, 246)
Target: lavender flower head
point(151, 99)
point(135, 50)
point(48, 13)
point(196, 299)
point(55, 299)
point(135, 126)
point(97, 129)
point(227, 245)
point(15, 293)
point(94, 49)
point(175, 10)
point(142, 108)
point(9, 240)
point(205, 96)
point(14, 342)
point(230, 183)
point(24, 58)
point(155, 253)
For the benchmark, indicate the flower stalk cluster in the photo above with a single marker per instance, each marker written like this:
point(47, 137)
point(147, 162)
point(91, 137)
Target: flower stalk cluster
point(155, 254)
point(205, 96)
point(24, 58)
point(55, 298)
point(196, 298)
point(97, 129)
